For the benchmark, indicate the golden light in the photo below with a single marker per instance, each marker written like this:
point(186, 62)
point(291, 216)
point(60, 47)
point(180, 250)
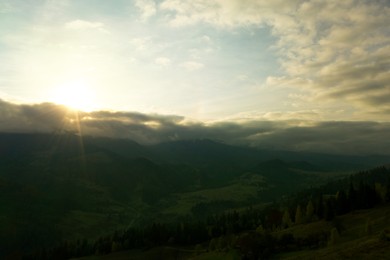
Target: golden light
point(75, 95)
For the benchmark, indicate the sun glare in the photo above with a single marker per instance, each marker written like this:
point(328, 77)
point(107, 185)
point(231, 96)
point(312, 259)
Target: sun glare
point(75, 95)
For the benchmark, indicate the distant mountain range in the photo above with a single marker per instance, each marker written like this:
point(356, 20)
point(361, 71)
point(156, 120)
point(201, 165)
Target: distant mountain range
point(61, 186)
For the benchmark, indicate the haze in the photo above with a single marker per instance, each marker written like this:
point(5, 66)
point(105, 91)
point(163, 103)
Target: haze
point(296, 75)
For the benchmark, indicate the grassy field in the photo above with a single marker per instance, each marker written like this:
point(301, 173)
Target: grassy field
point(359, 238)
point(154, 253)
point(159, 253)
point(240, 191)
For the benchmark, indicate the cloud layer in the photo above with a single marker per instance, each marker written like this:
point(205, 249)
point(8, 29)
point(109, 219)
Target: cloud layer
point(203, 59)
point(297, 135)
point(331, 50)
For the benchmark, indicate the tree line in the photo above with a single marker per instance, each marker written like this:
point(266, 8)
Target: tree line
point(248, 230)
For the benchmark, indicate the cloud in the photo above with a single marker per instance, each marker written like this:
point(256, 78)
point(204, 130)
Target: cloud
point(331, 137)
point(141, 44)
point(206, 39)
point(148, 8)
point(222, 13)
point(294, 135)
point(83, 25)
point(162, 61)
point(332, 50)
point(192, 65)
point(45, 117)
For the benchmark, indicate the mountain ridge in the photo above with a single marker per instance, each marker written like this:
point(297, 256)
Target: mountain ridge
point(54, 185)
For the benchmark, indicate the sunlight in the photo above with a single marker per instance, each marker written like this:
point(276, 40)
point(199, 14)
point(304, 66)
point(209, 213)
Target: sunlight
point(74, 94)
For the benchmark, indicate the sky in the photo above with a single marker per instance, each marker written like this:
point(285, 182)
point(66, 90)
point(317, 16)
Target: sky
point(275, 74)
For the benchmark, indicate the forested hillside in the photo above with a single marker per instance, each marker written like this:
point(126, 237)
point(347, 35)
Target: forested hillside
point(88, 194)
point(314, 219)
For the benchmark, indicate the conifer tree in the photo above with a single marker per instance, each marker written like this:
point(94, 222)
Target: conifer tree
point(368, 227)
point(387, 197)
point(342, 206)
point(352, 197)
point(286, 220)
point(298, 215)
point(309, 211)
point(334, 237)
point(380, 191)
point(329, 210)
point(320, 207)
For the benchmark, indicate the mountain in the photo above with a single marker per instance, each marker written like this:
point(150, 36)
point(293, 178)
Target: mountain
point(204, 151)
point(363, 235)
point(56, 187)
point(60, 187)
point(345, 218)
point(123, 147)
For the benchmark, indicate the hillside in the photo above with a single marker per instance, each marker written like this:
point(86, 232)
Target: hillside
point(354, 223)
point(361, 237)
point(57, 187)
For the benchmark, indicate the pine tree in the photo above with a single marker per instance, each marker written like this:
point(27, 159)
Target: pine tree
point(334, 237)
point(387, 197)
point(298, 215)
point(320, 207)
point(260, 230)
point(342, 206)
point(381, 191)
point(352, 197)
point(368, 227)
point(329, 210)
point(286, 220)
point(309, 211)
point(115, 246)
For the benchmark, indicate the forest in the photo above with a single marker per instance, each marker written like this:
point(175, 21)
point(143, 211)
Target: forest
point(250, 231)
point(60, 199)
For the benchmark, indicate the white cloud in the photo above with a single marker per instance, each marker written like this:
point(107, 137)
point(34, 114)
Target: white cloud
point(297, 135)
point(206, 39)
point(83, 25)
point(192, 65)
point(141, 44)
point(162, 61)
point(335, 50)
point(226, 13)
point(148, 8)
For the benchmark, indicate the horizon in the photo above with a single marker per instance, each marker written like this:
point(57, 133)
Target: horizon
point(332, 137)
point(297, 75)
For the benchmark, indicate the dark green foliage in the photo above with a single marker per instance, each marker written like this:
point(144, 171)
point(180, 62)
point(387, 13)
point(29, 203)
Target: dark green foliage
point(342, 205)
point(385, 235)
point(329, 212)
point(286, 241)
point(352, 197)
point(320, 207)
point(314, 240)
point(45, 178)
point(203, 209)
point(256, 246)
point(222, 229)
point(273, 217)
point(387, 196)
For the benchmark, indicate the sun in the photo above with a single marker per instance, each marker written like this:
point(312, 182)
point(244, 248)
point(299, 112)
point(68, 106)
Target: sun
point(75, 95)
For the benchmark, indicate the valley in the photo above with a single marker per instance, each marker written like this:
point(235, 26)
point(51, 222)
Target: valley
point(61, 187)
